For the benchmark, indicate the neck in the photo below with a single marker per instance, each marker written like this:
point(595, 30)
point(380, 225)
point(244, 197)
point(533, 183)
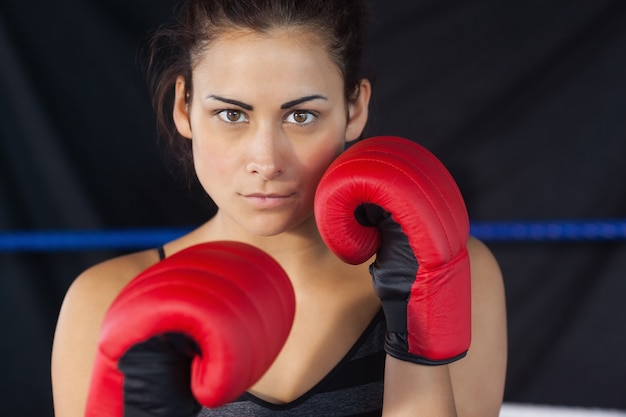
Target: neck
point(297, 250)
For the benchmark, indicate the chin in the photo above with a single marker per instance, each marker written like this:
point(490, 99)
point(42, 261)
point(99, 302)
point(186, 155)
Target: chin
point(264, 231)
point(267, 230)
point(265, 227)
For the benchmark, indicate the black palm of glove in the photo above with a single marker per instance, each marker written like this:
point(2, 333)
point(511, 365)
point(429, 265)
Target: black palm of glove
point(157, 377)
point(393, 274)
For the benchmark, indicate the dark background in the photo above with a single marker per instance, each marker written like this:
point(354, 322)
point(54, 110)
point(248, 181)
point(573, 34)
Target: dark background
point(525, 102)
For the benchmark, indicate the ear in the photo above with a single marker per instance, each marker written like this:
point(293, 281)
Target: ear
point(181, 109)
point(358, 111)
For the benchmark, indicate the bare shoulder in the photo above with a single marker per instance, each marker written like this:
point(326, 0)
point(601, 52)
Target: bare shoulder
point(482, 260)
point(78, 326)
point(94, 290)
point(478, 379)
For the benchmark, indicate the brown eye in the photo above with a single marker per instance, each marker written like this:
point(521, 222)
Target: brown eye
point(232, 116)
point(301, 117)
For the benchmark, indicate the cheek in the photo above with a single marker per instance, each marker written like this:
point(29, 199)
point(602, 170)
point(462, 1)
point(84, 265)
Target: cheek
point(211, 166)
point(320, 158)
point(325, 148)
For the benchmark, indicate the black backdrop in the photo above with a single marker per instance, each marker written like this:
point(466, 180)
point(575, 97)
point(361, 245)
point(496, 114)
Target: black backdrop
point(524, 101)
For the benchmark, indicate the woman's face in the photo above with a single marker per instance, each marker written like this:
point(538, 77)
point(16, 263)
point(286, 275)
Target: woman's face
point(267, 117)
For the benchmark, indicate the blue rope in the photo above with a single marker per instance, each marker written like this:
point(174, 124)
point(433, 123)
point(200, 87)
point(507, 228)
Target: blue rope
point(116, 239)
point(572, 230)
point(134, 239)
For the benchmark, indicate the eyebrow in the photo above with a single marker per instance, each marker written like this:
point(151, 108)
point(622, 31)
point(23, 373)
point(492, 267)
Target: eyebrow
point(233, 102)
point(283, 106)
point(295, 102)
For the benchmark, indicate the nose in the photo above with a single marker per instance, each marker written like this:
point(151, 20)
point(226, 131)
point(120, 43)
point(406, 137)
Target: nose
point(266, 158)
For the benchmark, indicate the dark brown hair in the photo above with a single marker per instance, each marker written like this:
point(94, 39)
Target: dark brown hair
point(176, 47)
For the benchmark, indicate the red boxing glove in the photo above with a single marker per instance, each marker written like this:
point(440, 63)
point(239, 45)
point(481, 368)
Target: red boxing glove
point(392, 197)
point(198, 328)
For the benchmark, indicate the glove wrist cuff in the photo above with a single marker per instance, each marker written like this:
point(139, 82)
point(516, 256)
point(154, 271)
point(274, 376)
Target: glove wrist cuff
point(397, 347)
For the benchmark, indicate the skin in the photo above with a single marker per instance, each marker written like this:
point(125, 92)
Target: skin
point(260, 156)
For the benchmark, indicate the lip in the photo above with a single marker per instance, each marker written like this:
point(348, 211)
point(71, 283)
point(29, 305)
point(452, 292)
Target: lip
point(267, 200)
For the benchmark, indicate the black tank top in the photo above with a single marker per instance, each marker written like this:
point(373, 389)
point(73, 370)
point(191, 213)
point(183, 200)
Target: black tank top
point(353, 388)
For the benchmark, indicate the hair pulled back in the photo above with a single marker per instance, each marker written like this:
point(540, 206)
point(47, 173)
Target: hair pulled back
point(176, 47)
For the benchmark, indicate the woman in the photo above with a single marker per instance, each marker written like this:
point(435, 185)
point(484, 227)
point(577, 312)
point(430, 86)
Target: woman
point(261, 96)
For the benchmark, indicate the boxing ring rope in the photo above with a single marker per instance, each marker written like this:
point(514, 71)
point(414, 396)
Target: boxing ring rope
point(83, 240)
point(133, 239)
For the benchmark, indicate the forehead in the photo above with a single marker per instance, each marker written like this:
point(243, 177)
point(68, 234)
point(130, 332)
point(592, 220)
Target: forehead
point(277, 59)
